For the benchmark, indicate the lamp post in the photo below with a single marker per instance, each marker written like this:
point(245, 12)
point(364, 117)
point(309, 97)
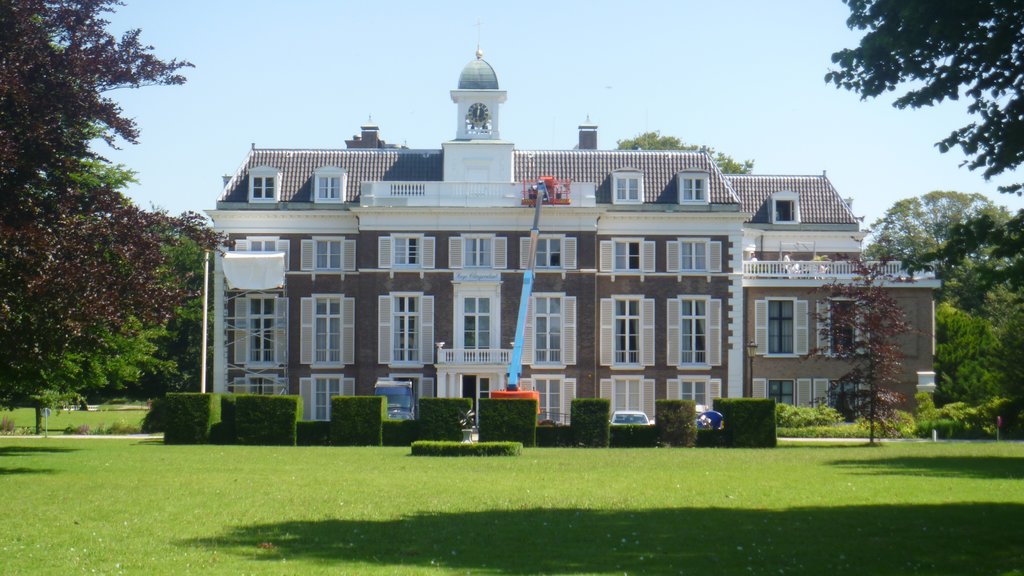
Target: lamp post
point(751, 350)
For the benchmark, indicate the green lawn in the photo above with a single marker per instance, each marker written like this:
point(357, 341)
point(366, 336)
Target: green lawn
point(25, 418)
point(139, 507)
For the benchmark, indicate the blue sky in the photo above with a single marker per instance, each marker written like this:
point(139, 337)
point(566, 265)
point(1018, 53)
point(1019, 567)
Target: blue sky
point(742, 76)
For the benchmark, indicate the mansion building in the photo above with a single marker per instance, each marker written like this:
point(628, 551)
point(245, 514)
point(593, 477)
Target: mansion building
point(657, 275)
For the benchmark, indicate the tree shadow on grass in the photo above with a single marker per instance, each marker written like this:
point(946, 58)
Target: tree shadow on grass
point(15, 451)
point(981, 467)
point(881, 540)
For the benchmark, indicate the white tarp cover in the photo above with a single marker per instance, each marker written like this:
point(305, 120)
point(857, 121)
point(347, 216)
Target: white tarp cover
point(254, 270)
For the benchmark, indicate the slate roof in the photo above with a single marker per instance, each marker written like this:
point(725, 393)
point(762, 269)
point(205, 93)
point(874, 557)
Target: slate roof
point(819, 201)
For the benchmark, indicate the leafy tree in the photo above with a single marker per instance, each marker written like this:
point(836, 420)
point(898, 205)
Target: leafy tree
point(655, 141)
point(945, 50)
point(82, 269)
point(965, 358)
point(874, 321)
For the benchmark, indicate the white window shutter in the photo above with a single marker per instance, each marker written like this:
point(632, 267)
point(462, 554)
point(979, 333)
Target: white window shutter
point(568, 395)
point(715, 332)
point(714, 389)
point(607, 351)
point(241, 344)
point(820, 391)
point(647, 257)
point(284, 246)
point(607, 256)
point(348, 255)
point(348, 330)
point(529, 349)
point(569, 253)
point(673, 357)
point(428, 252)
point(241, 245)
point(524, 253)
point(606, 390)
point(348, 387)
point(673, 389)
point(500, 252)
point(455, 252)
point(672, 259)
point(307, 261)
point(384, 252)
point(280, 331)
point(800, 312)
point(761, 326)
point(821, 323)
point(714, 256)
point(569, 330)
point(306, 391)
point(648, 397)
point(760, 388)
point(427, 329)
point(647, 331)
point(426, 388)
point(803, 392)
point(384, 346)
point(306, 307)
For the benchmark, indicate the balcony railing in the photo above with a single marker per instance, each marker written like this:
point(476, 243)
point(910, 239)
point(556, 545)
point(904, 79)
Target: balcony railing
point(808, 269)
point(472, 194)
point(500, 356)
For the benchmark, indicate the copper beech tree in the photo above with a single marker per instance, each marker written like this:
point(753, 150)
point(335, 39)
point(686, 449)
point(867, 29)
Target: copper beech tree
point(80, 264)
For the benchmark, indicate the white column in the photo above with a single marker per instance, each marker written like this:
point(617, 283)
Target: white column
point(220, 349)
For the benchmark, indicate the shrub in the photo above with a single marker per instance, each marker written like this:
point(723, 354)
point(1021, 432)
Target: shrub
point(926, 409)
point(440, 418)
point(590, 427)
point(711, 439)
point(748, 422)
point(551, 436)
point(632, 436)
point(6, 425)
point(789, 416)
point(312, 433)
point(190, 417)
point(399, 432)
point(225, 431)
point(445, 448)
point(265, 420)
point(155, 419)
point(902, 425)
point(357, 420)
point(676, 422)
point(508, 421)
point(122, 426)
point(836, 431)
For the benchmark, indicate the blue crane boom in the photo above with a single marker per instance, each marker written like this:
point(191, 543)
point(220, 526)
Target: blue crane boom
point(515, 365)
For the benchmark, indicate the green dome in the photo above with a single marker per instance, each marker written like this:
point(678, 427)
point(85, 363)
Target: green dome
point(478, 75)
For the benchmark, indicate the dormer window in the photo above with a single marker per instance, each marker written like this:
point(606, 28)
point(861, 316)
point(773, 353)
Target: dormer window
point(328, 185)
point(693, 188)
point(264, 182)
point(785, 208)
point(628, 187)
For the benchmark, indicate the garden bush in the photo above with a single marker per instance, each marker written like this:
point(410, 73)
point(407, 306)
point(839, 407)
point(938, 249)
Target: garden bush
point(508, 421)
point(265, 420)
point(836, 431)
point(190, 417)
point(224, 432)
point(551, 436)
point(676, 422)
point(590, 427)
point(632, 436)
point(357, 420)
point(441, 418)
point(711, 439)
point(789, 416)
point(399, 432)
point(445, 448)
point(312, 433)
point(748, 422)
point(155, 419)
point(902, 426)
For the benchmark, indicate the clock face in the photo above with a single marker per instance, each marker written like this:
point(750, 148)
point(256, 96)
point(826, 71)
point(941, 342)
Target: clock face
point(478, 116)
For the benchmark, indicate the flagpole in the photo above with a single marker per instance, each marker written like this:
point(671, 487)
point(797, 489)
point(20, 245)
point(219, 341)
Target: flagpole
point(202, 353)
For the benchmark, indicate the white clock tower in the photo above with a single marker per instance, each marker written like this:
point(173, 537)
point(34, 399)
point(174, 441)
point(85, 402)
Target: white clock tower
point(478, 154)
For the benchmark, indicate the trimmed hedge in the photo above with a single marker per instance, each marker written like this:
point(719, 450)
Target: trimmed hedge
point(676, 421)
point(711, 439)
point(440, 418)
point(443, 448)
point(357, 420)
point(748, 422)
point(312, 433)
point(549, 436)
point(225, 432)
point(633, 436)
point(590, 424)
point(508, 421)
point(189, 417)
point(265, 420)
point(399, 432)
point(155, 419)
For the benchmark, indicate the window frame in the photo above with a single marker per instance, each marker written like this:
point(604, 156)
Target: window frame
point(262, 341)
point(262, 173)
point(697, 357)
point(779, 395)
point(551, 392)
point(686, 181)
point(627, 381)
point(621, 183)
point(333, 330)
point(328, 173)
point(690, 245)
point(627, 242)
point(551, 355)
point(548, 253)
point(397, 241)
point(401, 332)
point(785, 197)
point(478, 251)
point(623, 354)
point(777, 335)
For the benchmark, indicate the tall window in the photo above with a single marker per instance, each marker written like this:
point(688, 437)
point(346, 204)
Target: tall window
point(263, 244)
point(780, 326)
point(627, 331)
point(694, 189)
point(328, 254)
point(627, 394)
point(327, 329)
point(694, 255)
point(627, 189)
point(261, 330)
point(548, 330)
point(263, 187)
point(695, 390)
point(842, 334)
point(328, 188)
point(324, 387)
point(693, 331)
point(478, 252)
point(406, 251)
point(405, 324)
point(550, 391)
point(476, 318)
point(627, 255)
point(781, 391)
point(549, 253)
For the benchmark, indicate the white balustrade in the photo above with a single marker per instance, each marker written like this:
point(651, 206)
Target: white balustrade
point(474, 356)
point(814, 269)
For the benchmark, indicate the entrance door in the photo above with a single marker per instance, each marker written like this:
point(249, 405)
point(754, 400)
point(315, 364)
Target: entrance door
point(476, 387)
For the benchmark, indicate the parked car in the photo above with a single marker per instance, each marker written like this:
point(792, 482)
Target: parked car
point(630, 417)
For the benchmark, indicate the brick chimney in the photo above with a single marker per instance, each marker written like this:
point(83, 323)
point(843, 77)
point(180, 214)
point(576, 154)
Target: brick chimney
point(588, 136)
point(370, 138)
